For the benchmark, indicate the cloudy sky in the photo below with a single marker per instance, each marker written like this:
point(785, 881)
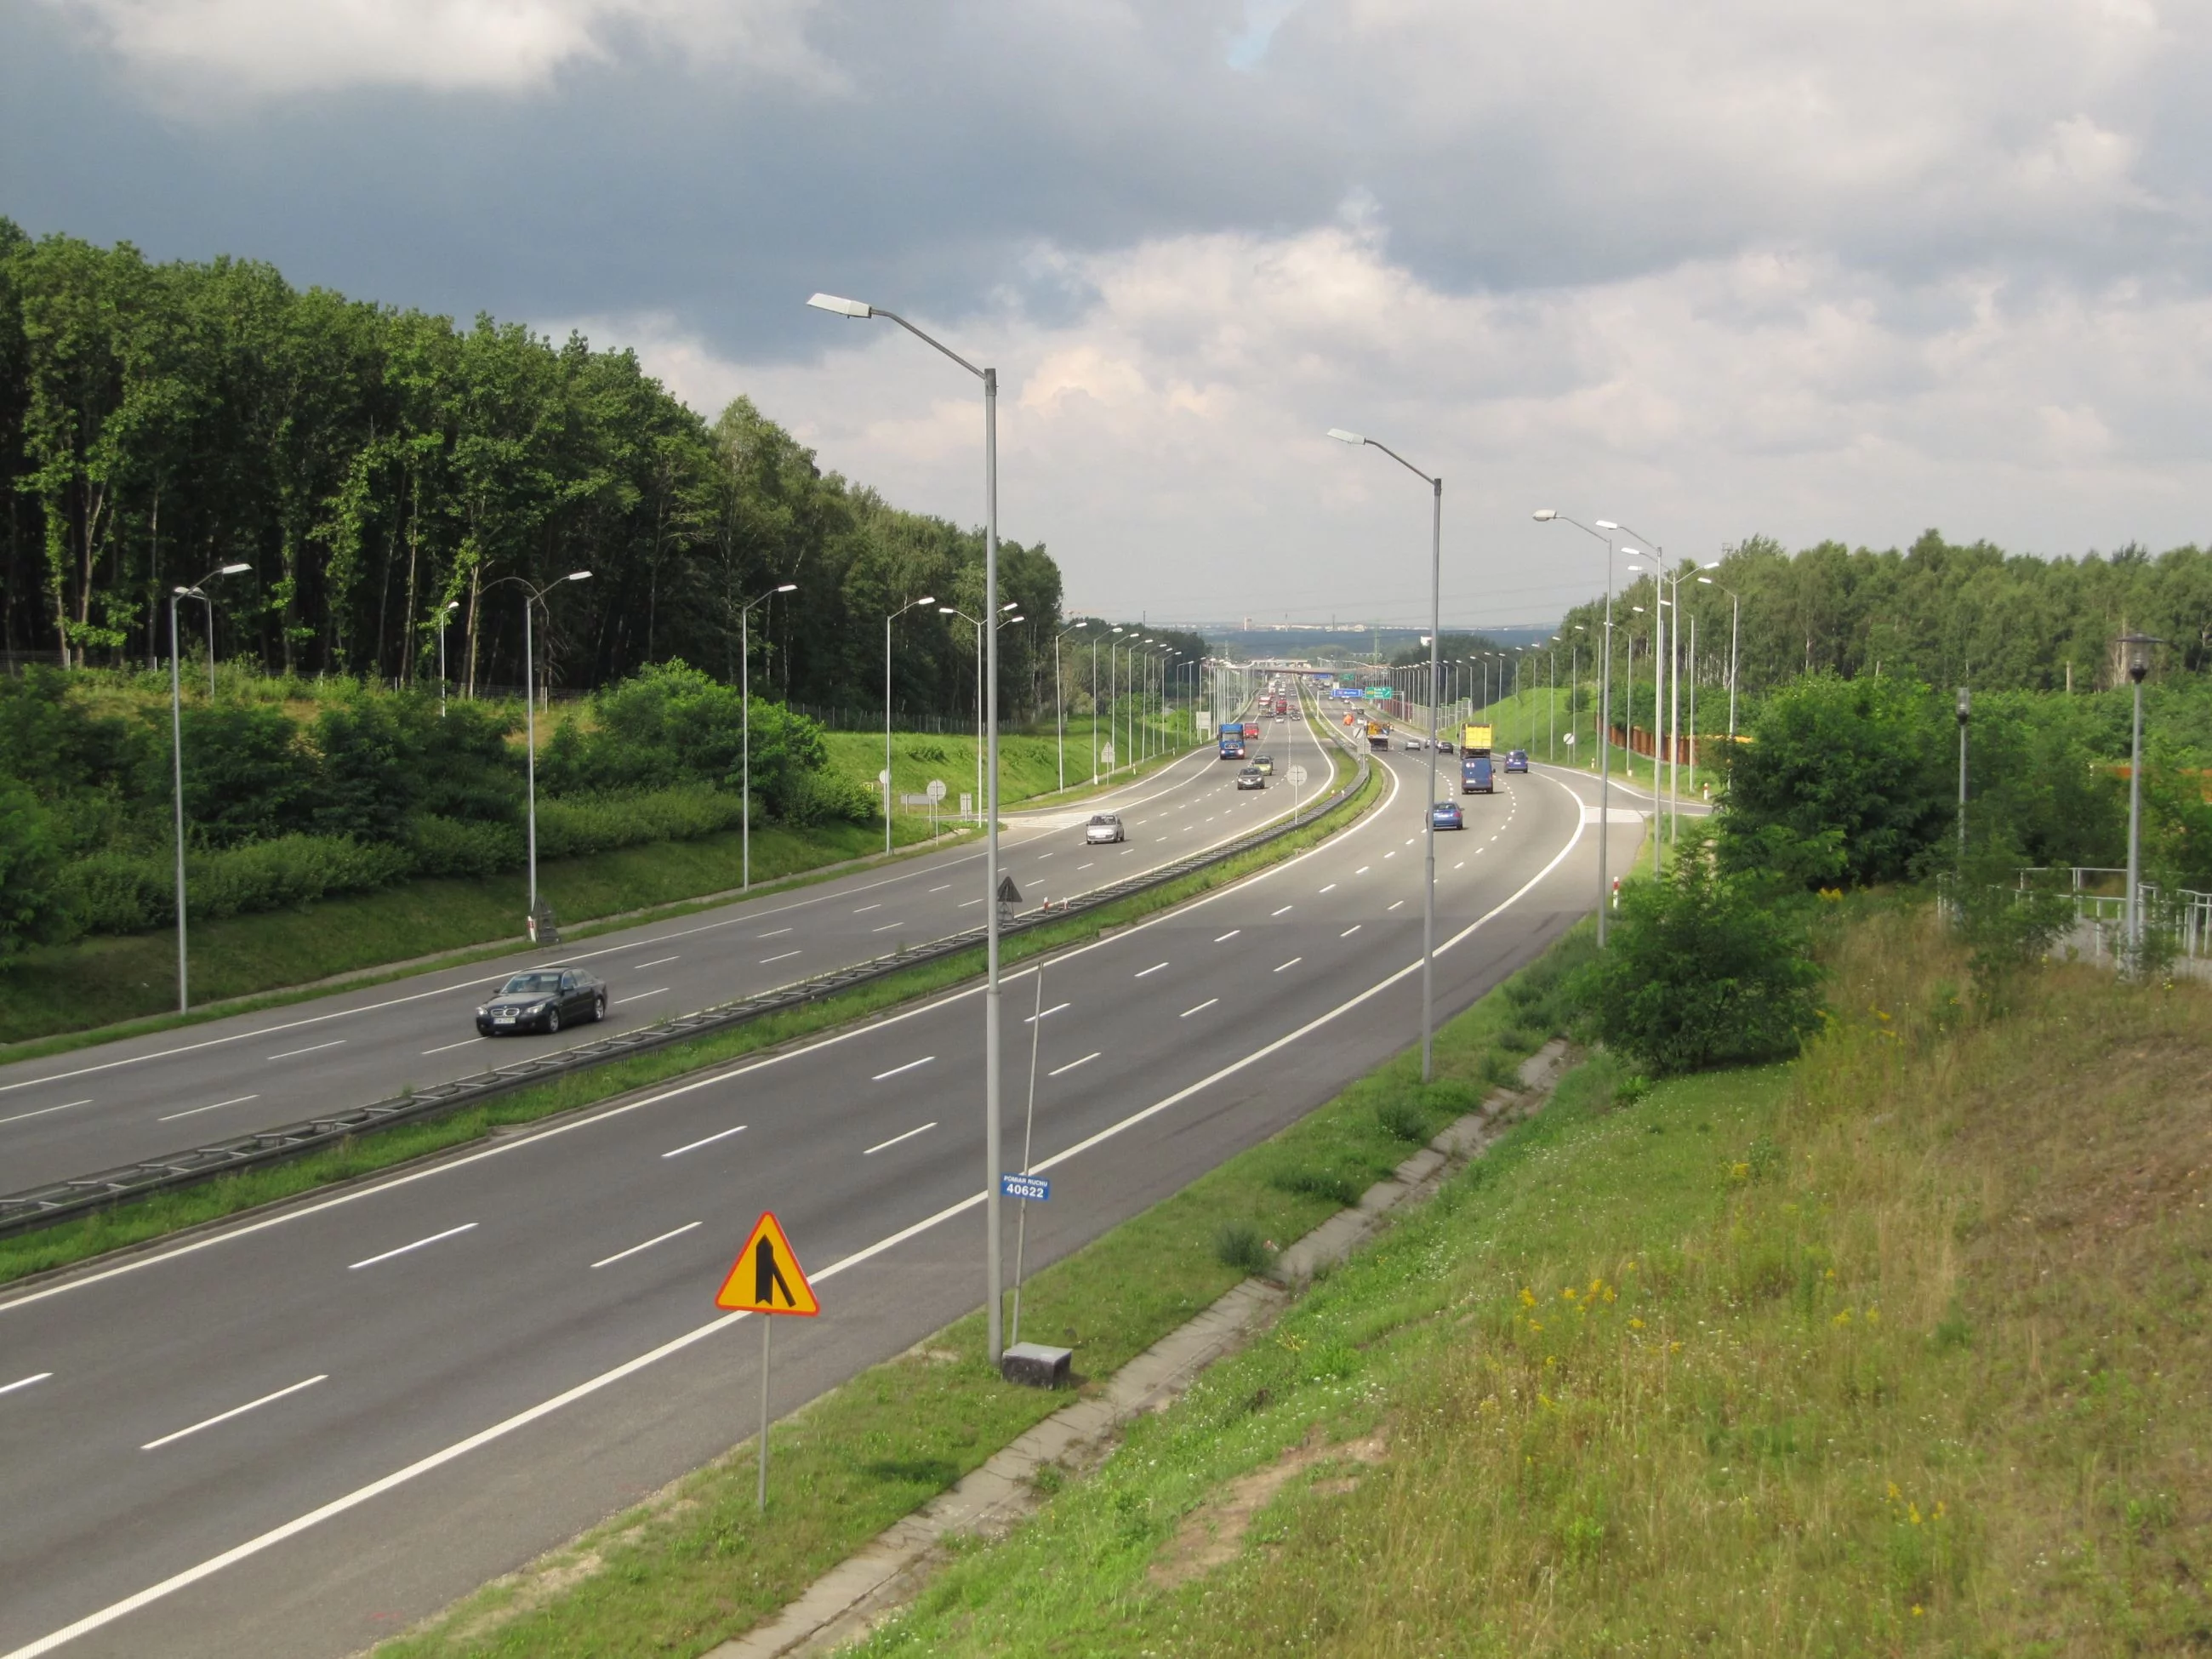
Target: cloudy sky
point(1817, 269)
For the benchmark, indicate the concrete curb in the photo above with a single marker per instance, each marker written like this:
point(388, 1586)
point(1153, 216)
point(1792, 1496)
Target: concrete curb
point(849, 1600)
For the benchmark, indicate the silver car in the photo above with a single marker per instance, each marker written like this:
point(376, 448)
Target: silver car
point(1103, 826)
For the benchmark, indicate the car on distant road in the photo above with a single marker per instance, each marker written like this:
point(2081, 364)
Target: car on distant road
point(1251, 777)
point(1264, 764)
point(1443, 746)
point(1517, 760)
point(1103, 826)
point(1445, 815)
point(544, 1000)
point(1412, 745)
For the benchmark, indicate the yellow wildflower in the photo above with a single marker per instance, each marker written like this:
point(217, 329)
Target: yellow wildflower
point(1634, 1323)
point(1528, 1297)
point(1894, 1494)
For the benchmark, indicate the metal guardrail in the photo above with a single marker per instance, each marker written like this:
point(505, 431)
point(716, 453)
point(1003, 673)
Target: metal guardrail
point(59, 1200)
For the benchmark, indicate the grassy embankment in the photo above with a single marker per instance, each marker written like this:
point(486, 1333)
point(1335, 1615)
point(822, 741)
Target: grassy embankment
point(1897, 1349)
point(100, 981)
point(697, 1564)
point(144, 1219)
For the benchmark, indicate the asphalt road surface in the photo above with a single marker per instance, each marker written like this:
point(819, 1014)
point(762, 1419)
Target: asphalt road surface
point(300, 1433)
point(95, 1108)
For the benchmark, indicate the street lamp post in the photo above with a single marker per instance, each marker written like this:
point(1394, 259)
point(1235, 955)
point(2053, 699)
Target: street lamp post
point(993, 1266)
point(1058, 707)
point(1436, 485)
point(911, 605)
point(535, 596)
point(2138, 665)
point(177, 751)
point(445, 620)
point(1966, 709)
point(1735, 615)
point(744, 744)
point(1547, 515)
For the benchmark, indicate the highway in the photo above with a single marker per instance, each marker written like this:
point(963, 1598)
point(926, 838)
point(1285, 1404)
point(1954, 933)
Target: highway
point(94, 1108)
point(299, 1433)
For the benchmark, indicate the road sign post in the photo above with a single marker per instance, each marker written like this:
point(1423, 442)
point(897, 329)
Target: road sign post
point(752, 1285)
point(1297, 783)
point(936, 794)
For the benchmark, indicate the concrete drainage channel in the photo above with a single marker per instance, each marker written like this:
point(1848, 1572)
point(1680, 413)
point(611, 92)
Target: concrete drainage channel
point(845, 1603)
point(43, 1205)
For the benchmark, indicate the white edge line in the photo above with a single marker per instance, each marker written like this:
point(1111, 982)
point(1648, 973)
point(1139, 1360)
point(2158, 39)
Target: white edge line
point(677, 1232)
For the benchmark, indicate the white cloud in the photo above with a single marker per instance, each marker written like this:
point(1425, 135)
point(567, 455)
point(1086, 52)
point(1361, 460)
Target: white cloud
point(1167, 440)
point(261, 47)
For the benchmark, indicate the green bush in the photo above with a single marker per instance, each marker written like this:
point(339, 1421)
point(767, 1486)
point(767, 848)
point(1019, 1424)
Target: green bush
point(131, 892)
point(827, 797)
point(1700, 973)
point(1237, 1244)
point(578, 826)
point(441, 846)
point(1402, 1119)
point(32, 910)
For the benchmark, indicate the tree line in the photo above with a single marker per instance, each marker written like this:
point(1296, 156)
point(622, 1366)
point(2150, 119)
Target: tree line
point(383, 472)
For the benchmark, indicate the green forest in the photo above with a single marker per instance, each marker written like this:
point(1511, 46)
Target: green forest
point(381, 472)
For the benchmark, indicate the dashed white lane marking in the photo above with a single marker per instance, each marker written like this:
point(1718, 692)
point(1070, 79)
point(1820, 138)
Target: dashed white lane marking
point(865, 909)
point(1292, 963)
point(945, 889)
point(678, 1232)
point(43, 1110)
point(894, 1139)
point(386, 1255)
point(1073, 1064)
point(1042, 857)
point(1231, 934)
point(776, 933)
point(1395, 906)
point(657, 962)
point(1085, 867)
point(908, 1066)
point(1284, 911)
point(1363, 869)
point(316, 1049)
point(1461, 865)
point(235, 1411)
point(1031, 1019)
point(1201, 1009)
point(1349, 931)
point(1154, 969)
point(1331, 888)
point(693, 1146)
point(194, 1111)
point(964, 903)
point(886, 927)
point(443, 1049)
point(639, 996)
point(786, 957)
point(24, 1382)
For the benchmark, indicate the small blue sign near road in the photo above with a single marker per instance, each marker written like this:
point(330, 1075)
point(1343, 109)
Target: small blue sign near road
point(1024, 1186)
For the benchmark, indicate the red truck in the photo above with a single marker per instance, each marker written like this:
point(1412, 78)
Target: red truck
point(1251, 733)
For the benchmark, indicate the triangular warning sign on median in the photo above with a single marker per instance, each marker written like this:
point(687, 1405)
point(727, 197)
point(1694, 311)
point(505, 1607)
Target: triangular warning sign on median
point(766, 1277)
point(1008, 893)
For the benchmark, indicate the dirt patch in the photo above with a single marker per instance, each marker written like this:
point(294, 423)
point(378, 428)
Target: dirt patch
point(1212, 1533)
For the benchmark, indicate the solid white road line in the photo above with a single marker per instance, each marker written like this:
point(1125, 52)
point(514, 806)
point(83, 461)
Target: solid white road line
point(1143, 972)
point(449, 1047)
point(894, 1139)
point(235, 1411)
point(196, 1110)
point(609, 1261)
point(450, 1232)
point(24, 1382)
point(639, 996)
point(693, 1146)
point(1292, 963)
point(1201, 1009)
point(291, 1054)
point(1231, 934)
point(42, 1111)
point(908, 1066)
point(657, 962)
point(1073, 1064)
point(786, 957)
point(1031, 1019)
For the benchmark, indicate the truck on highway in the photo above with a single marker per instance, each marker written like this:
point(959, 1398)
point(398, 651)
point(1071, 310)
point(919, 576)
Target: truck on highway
point(1475, 776)
point(1378, 735)
point(1232, 740)
point(1282, 705)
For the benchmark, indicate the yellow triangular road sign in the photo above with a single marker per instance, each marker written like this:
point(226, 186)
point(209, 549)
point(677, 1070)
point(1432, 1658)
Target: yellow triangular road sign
point(766, 1277)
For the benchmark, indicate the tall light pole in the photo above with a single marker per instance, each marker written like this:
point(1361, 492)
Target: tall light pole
point(1736, 615)
point(1436, 485)
point(1547, 515)
point(177, 751)
point(1660, 686)
point(911, 605)
point(2138, 665)
point(989, 377)
point(744, 740)
point(1966, 712)
point(445, 619)
point(1059, 708)
point(535, 597)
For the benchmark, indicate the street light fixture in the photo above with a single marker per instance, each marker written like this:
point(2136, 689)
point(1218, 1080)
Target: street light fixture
point(1548, 515)
point(177, 748)
point(1436, 485)
point(445, 620)
point(535, 597)
point(911, 605)
point(1059, 710)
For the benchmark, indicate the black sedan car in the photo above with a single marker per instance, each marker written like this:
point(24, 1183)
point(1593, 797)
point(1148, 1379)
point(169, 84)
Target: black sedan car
point(544, 1000)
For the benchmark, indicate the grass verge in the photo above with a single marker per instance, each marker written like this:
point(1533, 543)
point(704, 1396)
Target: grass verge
point(145, 1219)
point(698, 1565)
point(1896, 1349)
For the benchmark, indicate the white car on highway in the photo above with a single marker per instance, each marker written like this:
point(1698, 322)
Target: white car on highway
point(1102, 827)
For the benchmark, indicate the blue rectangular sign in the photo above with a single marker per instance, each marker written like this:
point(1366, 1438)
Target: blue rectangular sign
point(1024, 1186)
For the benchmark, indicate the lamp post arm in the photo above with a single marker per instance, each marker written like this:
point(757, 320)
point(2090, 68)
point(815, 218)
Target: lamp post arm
point(927, 340)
